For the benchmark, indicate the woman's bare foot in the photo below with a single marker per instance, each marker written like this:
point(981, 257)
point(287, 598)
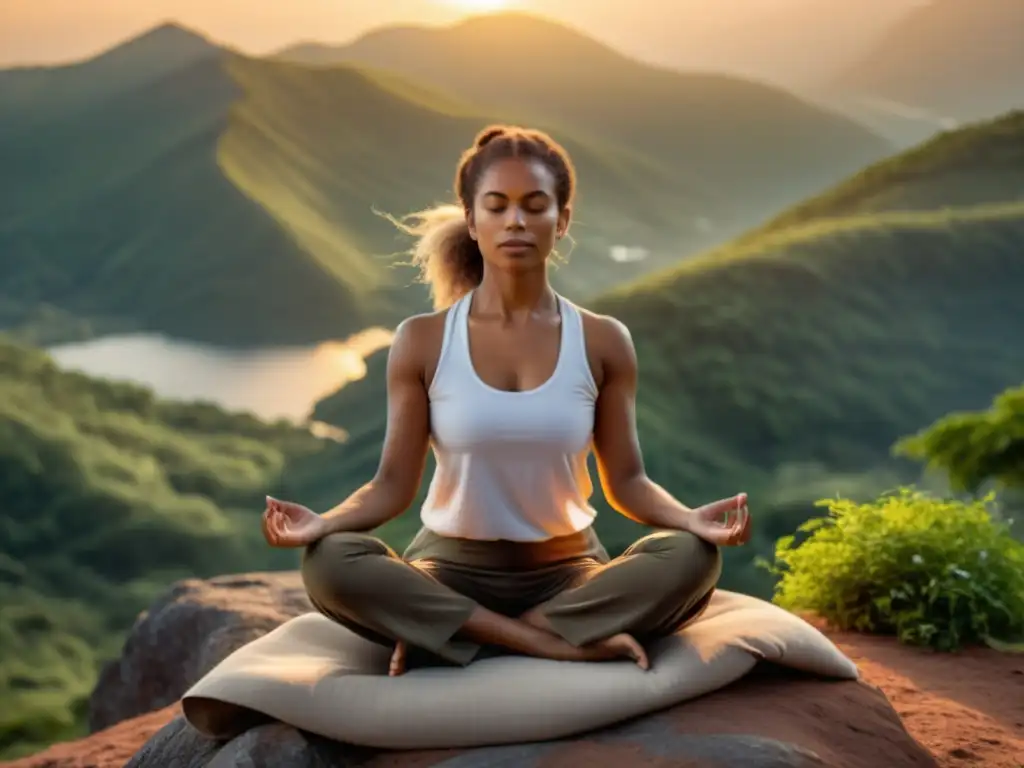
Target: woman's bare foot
point(397, 665)
point(621, 646)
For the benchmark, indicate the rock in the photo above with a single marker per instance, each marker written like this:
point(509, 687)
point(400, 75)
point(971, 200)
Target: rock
point(770, 719)
point(179, 746)
point(185, 633)
point(773, 718)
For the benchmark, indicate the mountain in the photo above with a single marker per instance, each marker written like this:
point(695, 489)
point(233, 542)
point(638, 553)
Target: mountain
point(981, 164)
point(234, 200)
point(787, 362)
point(947, 62)
point(781, 147)
point(125, 219)
point(51, 93)
point(110, 492)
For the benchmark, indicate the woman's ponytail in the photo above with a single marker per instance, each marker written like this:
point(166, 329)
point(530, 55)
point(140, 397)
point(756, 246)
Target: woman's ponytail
point(448, 258)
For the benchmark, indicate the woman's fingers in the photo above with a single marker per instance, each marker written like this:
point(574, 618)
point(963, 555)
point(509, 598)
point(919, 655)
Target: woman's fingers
point(729, 507)
point(727, 520)
point(274, 525)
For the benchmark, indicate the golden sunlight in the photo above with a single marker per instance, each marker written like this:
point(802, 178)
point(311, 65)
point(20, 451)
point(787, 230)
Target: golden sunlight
point(478, 6)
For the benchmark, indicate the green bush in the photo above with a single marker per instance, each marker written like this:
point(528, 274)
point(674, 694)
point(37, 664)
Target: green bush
point(937, 572)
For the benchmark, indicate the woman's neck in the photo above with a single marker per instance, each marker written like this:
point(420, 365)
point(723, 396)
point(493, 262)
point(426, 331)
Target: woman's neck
point(514, 294)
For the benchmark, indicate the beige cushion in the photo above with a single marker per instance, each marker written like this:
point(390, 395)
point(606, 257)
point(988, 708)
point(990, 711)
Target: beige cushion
point(322, 678)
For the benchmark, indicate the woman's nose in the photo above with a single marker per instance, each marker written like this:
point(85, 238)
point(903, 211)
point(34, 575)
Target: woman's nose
point(514, 219)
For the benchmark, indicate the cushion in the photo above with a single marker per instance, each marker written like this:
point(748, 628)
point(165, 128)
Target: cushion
point(320, 677)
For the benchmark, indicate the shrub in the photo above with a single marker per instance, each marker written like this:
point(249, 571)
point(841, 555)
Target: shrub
point(937, 572)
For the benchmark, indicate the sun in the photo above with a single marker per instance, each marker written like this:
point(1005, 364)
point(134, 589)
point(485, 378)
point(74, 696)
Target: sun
point(479, 6)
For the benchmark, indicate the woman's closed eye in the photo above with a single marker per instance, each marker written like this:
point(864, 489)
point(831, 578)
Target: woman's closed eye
point(530, 210)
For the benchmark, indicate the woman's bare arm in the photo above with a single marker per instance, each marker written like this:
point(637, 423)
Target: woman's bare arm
point(619, 459)
point(403, 457)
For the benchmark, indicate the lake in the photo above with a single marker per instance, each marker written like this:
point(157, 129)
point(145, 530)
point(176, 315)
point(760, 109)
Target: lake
point(272, 383)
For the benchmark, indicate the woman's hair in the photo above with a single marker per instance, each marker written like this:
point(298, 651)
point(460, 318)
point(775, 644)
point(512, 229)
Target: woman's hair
point(449, 260)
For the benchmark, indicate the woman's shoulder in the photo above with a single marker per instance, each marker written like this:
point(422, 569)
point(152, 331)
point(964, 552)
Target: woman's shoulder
point(609, 344)
point(606, 331)
point(422, 327)
point(418, 340)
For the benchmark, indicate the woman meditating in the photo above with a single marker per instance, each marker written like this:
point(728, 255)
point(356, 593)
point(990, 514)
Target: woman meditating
point(512, 386)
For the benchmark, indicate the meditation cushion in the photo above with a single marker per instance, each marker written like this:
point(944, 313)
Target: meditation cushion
point(318, 676)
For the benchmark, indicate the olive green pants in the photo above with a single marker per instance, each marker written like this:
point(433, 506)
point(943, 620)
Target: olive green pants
point(423, 598)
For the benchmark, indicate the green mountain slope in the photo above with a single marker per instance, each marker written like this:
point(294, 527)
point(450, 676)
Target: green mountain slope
point(124, 220)
point(788, 362)
point(780, 147)
point(233, 201)
point(321, 149)
point(214, 197)
point(32, 96)
point(978, 165)
point(109, 493)
point(826, 342)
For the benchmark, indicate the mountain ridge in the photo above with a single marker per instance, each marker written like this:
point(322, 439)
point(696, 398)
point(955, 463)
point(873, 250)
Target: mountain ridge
point(214, 176)
point(69, 88)
point(673, 114)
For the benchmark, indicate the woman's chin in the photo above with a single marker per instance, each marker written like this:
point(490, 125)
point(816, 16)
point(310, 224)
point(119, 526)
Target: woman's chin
point(527, 260)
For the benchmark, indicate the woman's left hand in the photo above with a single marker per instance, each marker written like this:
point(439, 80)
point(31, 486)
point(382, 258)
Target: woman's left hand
point(725, 522)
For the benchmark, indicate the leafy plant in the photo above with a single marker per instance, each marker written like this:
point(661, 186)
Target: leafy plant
point(973, 448)
point(936, 572)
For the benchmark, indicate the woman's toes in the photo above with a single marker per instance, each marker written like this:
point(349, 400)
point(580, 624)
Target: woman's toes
point(397, 666)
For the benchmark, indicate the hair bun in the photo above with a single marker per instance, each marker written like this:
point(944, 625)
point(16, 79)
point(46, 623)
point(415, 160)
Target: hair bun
point(487, 135)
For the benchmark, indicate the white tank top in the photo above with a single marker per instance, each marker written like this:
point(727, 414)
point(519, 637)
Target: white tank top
point(510, 465)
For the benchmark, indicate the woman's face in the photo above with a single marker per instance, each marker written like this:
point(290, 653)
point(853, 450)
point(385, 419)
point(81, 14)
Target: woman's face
point(515, 218)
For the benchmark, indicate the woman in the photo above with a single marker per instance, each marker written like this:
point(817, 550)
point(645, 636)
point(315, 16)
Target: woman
point(512, 386)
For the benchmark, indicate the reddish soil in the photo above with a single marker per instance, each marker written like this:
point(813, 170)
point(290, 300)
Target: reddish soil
point(966, 708)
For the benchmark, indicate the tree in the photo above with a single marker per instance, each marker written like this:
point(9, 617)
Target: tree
point(973, 448)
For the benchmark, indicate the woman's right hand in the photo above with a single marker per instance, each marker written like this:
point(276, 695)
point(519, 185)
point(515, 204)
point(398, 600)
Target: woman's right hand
point(287, 524)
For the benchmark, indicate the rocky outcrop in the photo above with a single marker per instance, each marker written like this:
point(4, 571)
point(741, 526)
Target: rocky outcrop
point(763, 721)
point(772, 718)
point(185, 633)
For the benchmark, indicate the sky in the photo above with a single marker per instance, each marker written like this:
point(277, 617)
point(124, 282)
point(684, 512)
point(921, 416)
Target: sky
point(58, 31)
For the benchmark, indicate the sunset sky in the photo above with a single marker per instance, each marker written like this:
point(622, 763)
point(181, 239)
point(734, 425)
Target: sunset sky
point(53, 31)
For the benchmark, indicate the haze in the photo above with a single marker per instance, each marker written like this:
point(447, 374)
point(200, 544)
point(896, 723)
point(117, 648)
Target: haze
point(54, 31)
